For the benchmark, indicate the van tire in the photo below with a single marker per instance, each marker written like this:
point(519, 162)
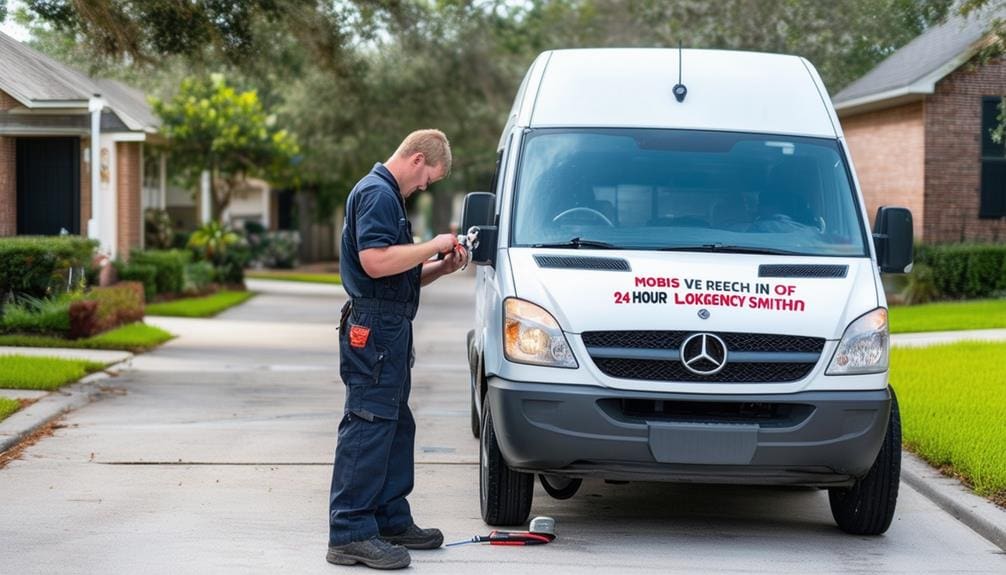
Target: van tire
point(867, 507)
point(559, 487)
point(505, 494)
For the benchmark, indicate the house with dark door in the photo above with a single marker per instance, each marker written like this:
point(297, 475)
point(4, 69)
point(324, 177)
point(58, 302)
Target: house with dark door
point(72, 152)
point(918, 128)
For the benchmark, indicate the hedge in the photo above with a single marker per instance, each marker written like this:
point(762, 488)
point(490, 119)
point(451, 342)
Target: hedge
point(198, 277)
point(37, 316)
point(37, 266)
point(105, 308)
point(170, 266)
point(965, 271)
point(146, 274)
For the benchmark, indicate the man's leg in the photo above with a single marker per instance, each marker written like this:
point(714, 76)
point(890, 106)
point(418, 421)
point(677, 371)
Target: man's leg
point(393, 513)
point(358, 476)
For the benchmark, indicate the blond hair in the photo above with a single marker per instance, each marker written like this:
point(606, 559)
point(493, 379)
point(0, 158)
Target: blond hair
point(432, 144)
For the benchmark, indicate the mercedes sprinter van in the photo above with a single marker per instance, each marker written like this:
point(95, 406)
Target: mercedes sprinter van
point(677, 281)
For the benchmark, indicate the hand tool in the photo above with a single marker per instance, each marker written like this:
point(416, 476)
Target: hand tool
point(541, 531)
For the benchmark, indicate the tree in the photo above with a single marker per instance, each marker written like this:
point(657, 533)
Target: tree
point(210, 126)
point(145, 31)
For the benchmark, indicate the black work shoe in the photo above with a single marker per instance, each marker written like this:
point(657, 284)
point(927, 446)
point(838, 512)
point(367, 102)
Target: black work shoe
point(415, 538)
point(373, 552)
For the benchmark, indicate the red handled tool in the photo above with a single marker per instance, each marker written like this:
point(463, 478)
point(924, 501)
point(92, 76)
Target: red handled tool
point(542, 532)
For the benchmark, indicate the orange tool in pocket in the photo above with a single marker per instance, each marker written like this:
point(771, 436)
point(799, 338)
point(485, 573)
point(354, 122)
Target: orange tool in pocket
point(358, 335)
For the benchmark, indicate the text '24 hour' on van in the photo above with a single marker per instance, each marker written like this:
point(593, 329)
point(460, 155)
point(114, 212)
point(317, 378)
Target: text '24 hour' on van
point(677, 282)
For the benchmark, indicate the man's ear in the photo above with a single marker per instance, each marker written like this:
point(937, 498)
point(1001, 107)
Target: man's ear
point(418, 159)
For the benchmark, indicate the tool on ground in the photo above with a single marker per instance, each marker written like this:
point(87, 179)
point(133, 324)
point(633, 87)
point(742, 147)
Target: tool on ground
point(540, 532)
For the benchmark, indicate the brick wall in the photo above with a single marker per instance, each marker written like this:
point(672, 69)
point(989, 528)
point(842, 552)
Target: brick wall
point(953, 155)
point(8, 176)
point(888, 150)
point(127, 166)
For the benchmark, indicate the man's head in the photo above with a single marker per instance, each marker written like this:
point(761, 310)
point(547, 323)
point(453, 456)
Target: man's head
point(422, 158)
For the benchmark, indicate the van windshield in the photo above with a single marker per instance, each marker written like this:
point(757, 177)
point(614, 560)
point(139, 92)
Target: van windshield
point(685, 190)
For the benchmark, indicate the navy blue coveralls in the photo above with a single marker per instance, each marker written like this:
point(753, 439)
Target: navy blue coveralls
point(373, 471)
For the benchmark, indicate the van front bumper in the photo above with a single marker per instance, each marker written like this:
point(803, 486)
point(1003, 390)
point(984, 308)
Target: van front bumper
point(819, 438)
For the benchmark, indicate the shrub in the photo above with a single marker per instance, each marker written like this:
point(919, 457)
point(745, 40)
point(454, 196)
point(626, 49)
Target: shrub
point(921, 286)
point(146, 274)
point(170, 266)
point(38, 316)
point(158, 230)
point(965, 271)
point(282, 250)
point(105, 308)
point(198, 277)
point(38, 266)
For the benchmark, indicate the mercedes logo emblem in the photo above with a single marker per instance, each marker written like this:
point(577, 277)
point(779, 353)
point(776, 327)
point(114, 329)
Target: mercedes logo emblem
point(704, 354)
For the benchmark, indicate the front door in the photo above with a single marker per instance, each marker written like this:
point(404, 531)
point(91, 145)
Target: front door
point(48, 186)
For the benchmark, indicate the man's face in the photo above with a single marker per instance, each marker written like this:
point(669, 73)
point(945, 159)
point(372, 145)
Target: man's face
point(425, 174)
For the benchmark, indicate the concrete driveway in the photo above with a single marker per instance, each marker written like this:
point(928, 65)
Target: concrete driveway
point(214, 456)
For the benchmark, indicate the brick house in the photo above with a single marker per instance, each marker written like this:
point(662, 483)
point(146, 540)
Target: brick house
point(918, 128)
point(50, 115)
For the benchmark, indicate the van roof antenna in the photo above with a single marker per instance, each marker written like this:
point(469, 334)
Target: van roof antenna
point(679, 90)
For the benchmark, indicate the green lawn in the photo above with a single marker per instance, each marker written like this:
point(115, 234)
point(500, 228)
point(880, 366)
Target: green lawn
point(949, 316)
point(46, 373)
point(953, 409)
point(207, 306)
point(136, 337)
point(295, 277)
point(8, 406)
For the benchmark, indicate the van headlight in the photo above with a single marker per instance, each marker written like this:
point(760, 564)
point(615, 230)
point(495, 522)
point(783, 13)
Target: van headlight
point(531, 335)
point(864, 347)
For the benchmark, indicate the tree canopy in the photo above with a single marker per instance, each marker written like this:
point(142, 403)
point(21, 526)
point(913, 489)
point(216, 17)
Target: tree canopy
point(211, 126)
point(350, 78)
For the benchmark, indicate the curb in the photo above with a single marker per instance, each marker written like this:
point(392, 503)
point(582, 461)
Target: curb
point(39, 414)
point(979, 514)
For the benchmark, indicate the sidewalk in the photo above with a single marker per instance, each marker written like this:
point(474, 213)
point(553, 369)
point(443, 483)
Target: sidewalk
point(937, 337)
point(99, 355)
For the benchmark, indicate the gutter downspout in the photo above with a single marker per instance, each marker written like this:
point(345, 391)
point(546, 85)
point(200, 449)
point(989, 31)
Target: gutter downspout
point(94, 106)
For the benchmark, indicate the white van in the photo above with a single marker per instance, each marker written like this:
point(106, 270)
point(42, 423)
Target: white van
point(678, 283)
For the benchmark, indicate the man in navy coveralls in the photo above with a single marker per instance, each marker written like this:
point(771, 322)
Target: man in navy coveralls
point(382, 271)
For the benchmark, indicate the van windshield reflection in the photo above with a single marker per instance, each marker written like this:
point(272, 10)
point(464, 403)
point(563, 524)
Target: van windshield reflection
point(686, 191)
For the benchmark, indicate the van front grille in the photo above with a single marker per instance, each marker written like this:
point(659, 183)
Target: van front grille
point(673, 339)
point(659, 370)
point(751, 357)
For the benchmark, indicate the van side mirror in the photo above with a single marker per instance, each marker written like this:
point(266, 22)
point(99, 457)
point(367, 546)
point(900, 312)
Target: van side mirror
point(478, 218)
point(893, 240)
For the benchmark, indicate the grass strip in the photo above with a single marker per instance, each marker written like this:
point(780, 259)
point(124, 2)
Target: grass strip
point(8, 406)
point(43, 373)
point(319, 278)
point(206, 306)
point(953, 405)
point(135, 337)
point(949, 316)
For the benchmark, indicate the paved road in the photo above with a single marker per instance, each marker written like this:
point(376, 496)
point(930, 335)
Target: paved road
point(213, 456)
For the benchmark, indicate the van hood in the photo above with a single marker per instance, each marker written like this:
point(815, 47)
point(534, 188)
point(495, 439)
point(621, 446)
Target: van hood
point(592, 290)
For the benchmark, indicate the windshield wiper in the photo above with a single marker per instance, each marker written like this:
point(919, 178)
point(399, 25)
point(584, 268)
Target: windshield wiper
point(577, 243)
point(730, 249)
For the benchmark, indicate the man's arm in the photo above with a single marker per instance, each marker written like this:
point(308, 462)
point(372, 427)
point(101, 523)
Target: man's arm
point(434, 270)
point(395, 259)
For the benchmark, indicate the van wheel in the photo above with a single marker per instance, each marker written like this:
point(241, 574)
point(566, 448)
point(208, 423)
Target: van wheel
point(559, 487)
point(505, 494)
point(867, 507)
point(475, 415)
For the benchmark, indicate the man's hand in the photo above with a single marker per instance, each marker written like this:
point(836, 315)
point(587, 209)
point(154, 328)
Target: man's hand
point(445, 243)
point(454, 261)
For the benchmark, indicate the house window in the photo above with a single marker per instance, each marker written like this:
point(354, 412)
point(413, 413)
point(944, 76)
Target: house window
point(993, 198)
